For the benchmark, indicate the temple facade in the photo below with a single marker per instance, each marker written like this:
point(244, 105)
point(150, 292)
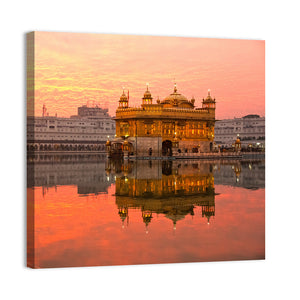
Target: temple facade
point(164, 128)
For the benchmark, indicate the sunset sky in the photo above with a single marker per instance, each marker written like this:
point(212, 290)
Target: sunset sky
point(72, 68)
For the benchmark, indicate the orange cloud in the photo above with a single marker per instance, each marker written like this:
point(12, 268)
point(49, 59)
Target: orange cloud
point(71, 68)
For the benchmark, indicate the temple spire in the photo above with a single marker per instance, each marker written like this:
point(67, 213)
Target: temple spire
point(147, 99)
point(209, 102)
point(123, 102)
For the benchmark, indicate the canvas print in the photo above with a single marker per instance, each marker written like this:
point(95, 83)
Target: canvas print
point(144, 149)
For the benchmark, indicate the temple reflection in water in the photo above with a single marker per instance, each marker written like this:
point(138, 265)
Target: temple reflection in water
point(169, 188)
point(78, 205)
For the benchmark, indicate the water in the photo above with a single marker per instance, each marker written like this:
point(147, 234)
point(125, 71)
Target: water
point(87, 211)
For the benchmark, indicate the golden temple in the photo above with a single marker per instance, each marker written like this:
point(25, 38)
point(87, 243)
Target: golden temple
point(165, 128)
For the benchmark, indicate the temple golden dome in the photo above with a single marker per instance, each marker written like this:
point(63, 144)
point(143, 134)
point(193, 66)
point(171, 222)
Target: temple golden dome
point(147, 94)
point(209, 98)
point(175, 97)
point(123, 97)
point(123, 102)
point(147, 99)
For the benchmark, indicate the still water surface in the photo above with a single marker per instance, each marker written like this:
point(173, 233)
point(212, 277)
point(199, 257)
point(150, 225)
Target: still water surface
point(87, 211)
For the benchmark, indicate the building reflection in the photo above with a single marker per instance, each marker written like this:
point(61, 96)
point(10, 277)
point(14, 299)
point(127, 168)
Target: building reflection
point(87, 172)
point(173, 189)
point(249, 174)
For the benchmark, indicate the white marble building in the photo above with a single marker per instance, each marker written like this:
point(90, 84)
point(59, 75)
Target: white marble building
point(88, 130)
point(250, 128)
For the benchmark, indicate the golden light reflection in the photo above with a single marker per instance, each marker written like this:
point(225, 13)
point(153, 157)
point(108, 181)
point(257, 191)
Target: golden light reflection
point(165, 188)
point(85, 213)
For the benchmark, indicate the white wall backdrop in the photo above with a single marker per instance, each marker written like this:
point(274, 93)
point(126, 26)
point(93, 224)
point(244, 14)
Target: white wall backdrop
point(276, 22)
